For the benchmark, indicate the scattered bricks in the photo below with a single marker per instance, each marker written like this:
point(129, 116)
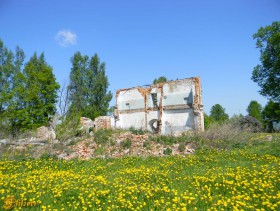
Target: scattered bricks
point(85, 149)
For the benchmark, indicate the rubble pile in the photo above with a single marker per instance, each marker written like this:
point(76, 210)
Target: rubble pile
point(124, 144)
point(119, 143)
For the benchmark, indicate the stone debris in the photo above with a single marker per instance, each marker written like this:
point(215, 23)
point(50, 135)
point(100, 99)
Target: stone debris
point(140, 146)
point(269, 137)
point(120, 144)
point(102, 122)
point(44, 134)
point(86, 124)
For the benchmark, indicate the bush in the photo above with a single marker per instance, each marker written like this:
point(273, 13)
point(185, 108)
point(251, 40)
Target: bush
point(181, 147)
point(167, 151)
point(147, 144)
point(69, 128)
point(48, 156)
point(126, 144)
point(227, 135)
point(136, 131)
point(167, 140)
point(251, 124)
point(103, 136)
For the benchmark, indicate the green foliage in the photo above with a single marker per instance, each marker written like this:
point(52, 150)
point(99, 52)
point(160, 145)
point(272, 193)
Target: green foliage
point(182, 147)
point(167, 151)
point(136, 131)
point(88, 86)
point(99, 151)
point(126, 144)
point(226, 135)
point(103, 136)
point(271, 112)
point(218, 114)
point(207, 121)
point(267, 75)
point(167, 140)
point(255, 110)
point(40, 95)
point(147, 144)
point(48, 156)
point(69, 128)
point(28, 95)
point(161, 79)
point(10, 67)
point(196, 182)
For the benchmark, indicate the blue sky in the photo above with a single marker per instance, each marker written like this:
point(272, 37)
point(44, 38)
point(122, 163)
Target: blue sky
point(142, 40)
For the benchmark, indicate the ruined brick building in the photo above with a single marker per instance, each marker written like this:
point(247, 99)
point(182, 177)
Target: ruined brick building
point(164, 108)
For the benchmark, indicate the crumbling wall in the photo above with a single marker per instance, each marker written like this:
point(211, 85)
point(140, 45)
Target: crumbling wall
point(102, 122)
point(164, 108)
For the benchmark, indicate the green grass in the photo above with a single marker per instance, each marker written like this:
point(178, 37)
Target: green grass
point(216, 178)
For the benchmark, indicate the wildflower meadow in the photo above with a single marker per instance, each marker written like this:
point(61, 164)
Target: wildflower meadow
point(211, 179)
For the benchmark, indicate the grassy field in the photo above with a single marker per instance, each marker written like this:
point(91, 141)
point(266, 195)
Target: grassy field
point(243, 178)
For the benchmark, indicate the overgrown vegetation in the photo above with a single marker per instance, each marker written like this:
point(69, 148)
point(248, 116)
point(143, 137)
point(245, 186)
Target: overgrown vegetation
point(137, 131)
point(167, 151)
point(69, 128)
point(236, 179)
point(28, 92)
point(126, 144)
point(88, 87)
point(103, 137)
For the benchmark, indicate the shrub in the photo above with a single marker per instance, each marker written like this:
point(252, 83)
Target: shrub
point(103, 136)
point(167, 140)
point(69, 128)
point(49, 156)
point(126, 144)
point(228, 135)
point(181, 147)
point(167, 151)
point(147, 144)
point(99, 151)
point(251, 124)
point(72, 142)
point(136, 131)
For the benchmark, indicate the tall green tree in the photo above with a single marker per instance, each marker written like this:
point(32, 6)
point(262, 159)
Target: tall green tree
point(41, 87)
point(34, 95)
point(6, 76)
point(218, 113)
point(267, 74)
point(27, 95)
point(254, 109)
point(271, 112)
point(88, 88)
point(10, 67)
point(14, 112)
point(161, 79)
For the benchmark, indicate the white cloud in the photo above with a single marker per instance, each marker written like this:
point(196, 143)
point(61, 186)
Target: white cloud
point(66, 38)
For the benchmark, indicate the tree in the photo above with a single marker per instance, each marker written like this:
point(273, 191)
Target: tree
point(88, 86)
point(218, 113)
point(271, 112)
point(254, 109)
point(267, 75)
point(6, 76)
point(207, 121)
point(161, 79)
point(35, 97)
point(27, 95)
point(16, 101)
point(63, 101)
point(10, 68)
